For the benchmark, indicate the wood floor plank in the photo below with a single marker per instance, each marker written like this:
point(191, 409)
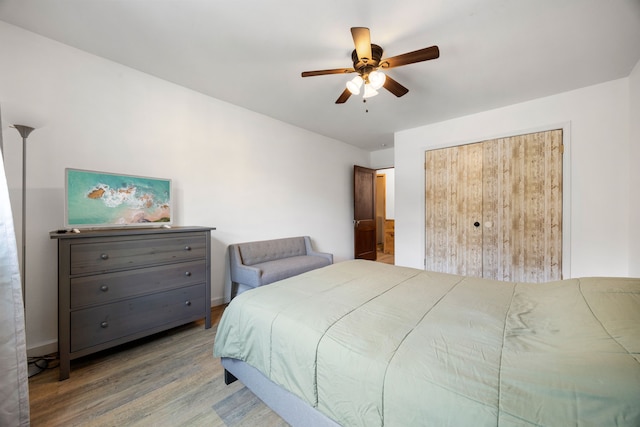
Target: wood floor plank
point(169, 379)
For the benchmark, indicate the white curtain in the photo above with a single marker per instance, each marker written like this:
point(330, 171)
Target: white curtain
point(14, 385)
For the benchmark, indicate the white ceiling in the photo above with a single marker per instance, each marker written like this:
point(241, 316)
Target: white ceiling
point(251, 52)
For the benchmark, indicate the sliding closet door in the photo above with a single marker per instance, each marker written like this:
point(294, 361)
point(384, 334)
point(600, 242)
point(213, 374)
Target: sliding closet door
point(494, 209)
point(522, 207)
point(453, 206)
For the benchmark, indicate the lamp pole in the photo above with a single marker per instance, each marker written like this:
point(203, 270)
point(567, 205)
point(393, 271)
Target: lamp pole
point(1, 145)
point(24, 133)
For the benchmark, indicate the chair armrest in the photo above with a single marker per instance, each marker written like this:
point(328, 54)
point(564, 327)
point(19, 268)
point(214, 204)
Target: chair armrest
point(310, 251)
point(240, 273)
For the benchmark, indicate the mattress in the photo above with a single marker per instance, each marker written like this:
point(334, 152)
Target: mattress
point(370, 344)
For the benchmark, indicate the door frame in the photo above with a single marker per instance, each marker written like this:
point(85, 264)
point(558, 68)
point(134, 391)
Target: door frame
point(380, 201)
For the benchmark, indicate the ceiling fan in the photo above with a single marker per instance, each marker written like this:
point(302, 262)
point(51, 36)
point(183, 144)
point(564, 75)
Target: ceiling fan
point(367, 62)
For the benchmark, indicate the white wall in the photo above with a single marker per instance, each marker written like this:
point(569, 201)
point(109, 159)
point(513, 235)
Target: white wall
point(250, 176)
point(382, 159)
point(599, 213)
point(634, 172)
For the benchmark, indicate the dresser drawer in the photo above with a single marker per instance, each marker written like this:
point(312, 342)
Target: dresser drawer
point(119, 254)
point(97, 325)
point(108, 287)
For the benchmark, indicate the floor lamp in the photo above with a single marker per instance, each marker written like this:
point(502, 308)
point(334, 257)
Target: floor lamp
point(24, 133)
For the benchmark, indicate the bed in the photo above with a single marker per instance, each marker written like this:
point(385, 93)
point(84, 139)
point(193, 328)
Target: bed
point(360, 343)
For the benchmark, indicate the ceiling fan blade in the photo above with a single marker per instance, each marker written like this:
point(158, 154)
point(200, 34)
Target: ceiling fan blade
point(343, 97)
point(411, 57)
point(323, 72)
point(394, 87)
point(362, 42)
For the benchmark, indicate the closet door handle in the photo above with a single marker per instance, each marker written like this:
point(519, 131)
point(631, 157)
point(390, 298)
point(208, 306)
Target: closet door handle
point(476, 224)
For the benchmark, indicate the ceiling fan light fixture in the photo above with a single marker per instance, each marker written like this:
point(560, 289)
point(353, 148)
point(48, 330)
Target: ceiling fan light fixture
point(368, 64)
point(369, 91)
point(377, 79)
point(355, 84)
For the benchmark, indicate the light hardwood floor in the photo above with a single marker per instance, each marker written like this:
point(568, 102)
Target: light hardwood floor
point(385, 258)
point(169, 379)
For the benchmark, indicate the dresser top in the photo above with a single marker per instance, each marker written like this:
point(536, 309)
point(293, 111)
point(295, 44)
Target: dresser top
point(124, 231)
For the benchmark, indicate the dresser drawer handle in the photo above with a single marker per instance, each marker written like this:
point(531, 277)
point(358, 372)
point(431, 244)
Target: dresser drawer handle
point(104, 288)
point(104, 256)
point(104, 324)
point(187, 273)
point(187, 248)
point(187, 303)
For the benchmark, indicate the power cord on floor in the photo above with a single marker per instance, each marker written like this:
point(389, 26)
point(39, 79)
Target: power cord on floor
point(41, 363)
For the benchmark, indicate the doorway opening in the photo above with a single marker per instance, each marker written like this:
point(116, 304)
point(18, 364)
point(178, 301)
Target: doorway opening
point(385, 216)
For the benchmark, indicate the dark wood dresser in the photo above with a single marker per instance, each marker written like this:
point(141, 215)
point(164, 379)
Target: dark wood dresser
point(118, 285)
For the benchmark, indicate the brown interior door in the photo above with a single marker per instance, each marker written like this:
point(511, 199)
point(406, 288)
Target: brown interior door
point(364, 213)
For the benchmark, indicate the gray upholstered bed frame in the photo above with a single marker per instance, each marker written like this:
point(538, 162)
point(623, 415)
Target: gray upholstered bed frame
point(290, 407)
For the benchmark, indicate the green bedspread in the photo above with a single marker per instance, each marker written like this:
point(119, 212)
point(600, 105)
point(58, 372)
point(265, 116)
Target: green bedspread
point(371, 344)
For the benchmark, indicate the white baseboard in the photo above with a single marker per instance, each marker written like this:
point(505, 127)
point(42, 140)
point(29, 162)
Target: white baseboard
point(43, 349)
point(217, 301)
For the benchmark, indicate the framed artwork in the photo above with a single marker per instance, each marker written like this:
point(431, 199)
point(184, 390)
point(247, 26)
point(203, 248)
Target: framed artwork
point(103, 199)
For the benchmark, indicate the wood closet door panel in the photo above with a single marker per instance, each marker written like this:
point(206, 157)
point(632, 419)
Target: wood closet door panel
point(522, 207)
point(453, 178)
point(553, 203)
